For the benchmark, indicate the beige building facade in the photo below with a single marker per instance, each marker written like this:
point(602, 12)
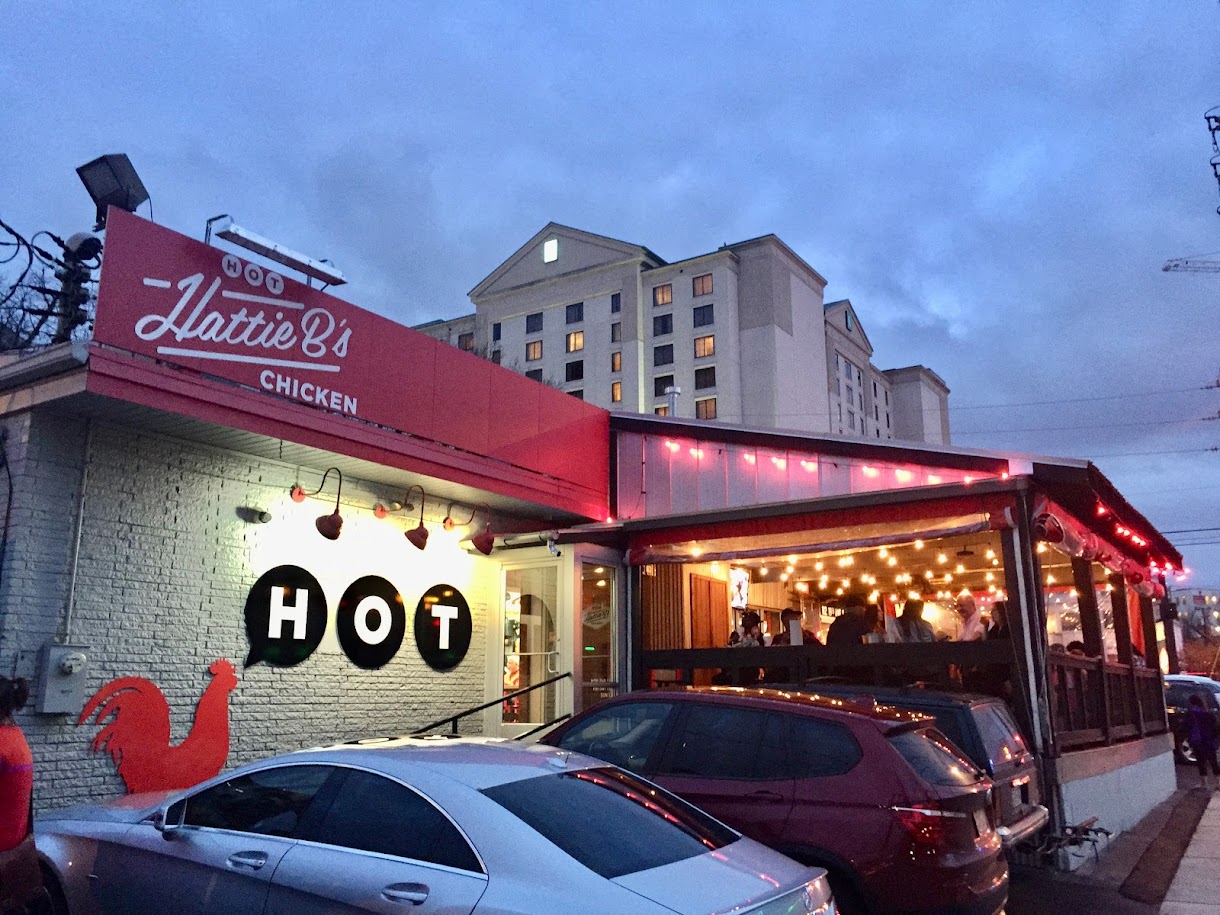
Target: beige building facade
point(740, 335)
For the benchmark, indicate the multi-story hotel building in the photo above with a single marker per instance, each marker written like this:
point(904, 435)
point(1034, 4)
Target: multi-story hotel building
point(740, 335)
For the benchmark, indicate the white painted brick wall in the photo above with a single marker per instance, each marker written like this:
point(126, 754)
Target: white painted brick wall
point(164, 569)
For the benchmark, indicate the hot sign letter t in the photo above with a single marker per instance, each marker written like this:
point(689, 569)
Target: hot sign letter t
point(444, 614)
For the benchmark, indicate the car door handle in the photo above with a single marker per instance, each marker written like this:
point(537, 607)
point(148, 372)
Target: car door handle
point(251, 859)
point(773, 797)
point(414, 893)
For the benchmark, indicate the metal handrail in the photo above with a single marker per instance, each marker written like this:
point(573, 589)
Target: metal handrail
point(454, 719)
point(542, 727)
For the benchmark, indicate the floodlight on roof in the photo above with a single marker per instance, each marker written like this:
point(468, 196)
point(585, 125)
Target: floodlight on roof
point(224, 227)
point(111, 180)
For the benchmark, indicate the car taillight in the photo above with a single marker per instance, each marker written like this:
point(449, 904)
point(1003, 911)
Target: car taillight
point(932, 829)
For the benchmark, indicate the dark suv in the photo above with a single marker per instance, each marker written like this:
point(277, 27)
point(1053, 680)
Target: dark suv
point(1178, 690)
point(983, 727)
point(877, 796)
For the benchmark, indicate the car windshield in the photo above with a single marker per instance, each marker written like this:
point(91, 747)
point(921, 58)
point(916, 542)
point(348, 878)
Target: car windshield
point(611, 821)
point(934, 759)
point(1001, 739)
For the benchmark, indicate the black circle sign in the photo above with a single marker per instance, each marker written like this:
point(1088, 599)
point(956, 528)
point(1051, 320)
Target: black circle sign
point(371, 622)
point(443, 627)
point(285, 617)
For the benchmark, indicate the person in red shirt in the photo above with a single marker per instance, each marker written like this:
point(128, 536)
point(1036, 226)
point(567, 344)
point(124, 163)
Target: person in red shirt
point(16, 766)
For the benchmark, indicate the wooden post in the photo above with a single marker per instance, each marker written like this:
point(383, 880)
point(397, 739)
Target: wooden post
point(1090, 615)
point(1152, 651)
point(1118, 613)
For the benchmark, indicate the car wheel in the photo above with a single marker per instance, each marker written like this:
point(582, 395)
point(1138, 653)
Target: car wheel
point(847, 899)
point(1186, 752)
point(57, 903)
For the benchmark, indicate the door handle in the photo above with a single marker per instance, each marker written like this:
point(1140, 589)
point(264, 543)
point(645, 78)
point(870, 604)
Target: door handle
point(414, 893)
point(251, 859)
point(552, 662)
point(773, 796)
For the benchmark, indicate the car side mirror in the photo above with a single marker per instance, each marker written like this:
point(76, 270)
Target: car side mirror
point(169, 818)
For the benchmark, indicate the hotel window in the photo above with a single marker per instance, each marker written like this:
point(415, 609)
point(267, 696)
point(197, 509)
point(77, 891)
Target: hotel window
point(663, 295)
point(535, 374)
point(874, 390)
point(533, 323)
point(575, 341)
point(705, 378)
point(616, 303)
point(851, 420)
point(495, 356)
point(847, 319)
point(574, 371)
point(704, 315)
point(533, 351)
point(616, 332)
point(661, 411)
point(495, 332)
point(702, 285)
point(575, 313)
point(660, 383)
point(616, 362)
point(705, 409)
point(579, 394)
point(705, 346)
point(876, 413)
point(887, 398)
point(663, 355)
point(616, 392)
point(662, 325)
point(550, 250)
point(466, 342)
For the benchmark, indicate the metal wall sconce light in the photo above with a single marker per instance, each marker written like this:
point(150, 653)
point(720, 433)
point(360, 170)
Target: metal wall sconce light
point(484, 540)
point(329, 526)
point(418, 536)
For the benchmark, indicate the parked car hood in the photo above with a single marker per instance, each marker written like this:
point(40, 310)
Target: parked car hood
point(129, 808)
point(736, 877)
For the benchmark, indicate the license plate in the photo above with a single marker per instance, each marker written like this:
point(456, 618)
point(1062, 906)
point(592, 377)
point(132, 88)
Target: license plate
point(982, 824)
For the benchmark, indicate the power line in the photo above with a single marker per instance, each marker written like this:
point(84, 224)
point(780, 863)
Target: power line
point(1042, 403)
point(1076, 428)
point(1192, 530)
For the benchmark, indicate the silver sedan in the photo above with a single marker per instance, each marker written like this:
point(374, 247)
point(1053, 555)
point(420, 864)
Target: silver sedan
point(427, 825)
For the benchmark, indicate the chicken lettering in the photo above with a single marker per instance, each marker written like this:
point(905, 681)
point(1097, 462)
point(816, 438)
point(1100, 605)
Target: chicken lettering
point(135, 732)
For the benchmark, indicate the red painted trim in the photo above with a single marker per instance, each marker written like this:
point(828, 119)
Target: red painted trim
point(181, 391)
point(814, 521)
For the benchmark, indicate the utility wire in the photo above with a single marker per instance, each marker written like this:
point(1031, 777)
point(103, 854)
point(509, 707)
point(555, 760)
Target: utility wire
point(1151, 422)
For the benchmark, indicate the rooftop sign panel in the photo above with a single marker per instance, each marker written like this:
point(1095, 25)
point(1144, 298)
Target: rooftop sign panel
point(210, 312)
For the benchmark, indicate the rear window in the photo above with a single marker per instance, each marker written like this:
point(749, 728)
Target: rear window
point(934, 759)
point(611, 821)
point(1001, 739)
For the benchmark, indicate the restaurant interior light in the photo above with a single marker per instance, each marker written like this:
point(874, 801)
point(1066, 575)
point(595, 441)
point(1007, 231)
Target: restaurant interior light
point(111, 180)
point(329, 526)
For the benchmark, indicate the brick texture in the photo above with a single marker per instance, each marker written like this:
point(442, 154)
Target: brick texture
point(163, 570)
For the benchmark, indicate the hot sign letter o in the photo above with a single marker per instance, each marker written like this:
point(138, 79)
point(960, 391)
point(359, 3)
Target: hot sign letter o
point(371, 622)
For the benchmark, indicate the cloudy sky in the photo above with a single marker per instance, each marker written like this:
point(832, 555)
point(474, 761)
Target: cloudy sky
point(994, 185)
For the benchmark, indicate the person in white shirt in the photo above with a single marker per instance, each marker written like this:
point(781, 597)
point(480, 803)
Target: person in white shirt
point(974, 623)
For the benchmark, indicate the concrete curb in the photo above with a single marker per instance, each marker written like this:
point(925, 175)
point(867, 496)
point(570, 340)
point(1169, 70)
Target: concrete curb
point(1152, 875)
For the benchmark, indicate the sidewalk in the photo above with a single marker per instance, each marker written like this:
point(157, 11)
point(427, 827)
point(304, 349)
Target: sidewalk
point(1196, 886)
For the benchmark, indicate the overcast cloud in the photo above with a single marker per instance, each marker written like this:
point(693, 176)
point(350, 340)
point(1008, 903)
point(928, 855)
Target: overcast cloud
point(994, 185)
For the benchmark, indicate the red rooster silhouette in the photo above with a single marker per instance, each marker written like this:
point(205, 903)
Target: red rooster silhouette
point(135, 732)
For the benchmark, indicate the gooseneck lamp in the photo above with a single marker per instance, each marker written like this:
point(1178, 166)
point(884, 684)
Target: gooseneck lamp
point(418, 536)
point(484, 540)
point(329, 526)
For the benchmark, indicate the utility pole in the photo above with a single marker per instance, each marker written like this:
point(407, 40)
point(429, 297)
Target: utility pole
point(73, 294)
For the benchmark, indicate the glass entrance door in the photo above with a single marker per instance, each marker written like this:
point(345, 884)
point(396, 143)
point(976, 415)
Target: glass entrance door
point(598, 628)
point(532, 649)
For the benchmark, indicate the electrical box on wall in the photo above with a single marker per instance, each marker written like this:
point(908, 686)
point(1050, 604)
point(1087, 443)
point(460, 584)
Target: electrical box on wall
point(61, 679)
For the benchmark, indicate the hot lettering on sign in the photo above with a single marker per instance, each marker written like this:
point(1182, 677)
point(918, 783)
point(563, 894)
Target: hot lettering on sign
point(286, 616)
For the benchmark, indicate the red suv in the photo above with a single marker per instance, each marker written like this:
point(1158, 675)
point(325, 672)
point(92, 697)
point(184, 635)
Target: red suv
point(875, 795)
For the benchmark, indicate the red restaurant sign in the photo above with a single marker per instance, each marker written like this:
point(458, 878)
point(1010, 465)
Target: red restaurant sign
point(174, 299)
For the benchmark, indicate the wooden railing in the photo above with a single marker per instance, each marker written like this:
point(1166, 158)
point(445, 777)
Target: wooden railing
point(1095, 703)
point(935, 662)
